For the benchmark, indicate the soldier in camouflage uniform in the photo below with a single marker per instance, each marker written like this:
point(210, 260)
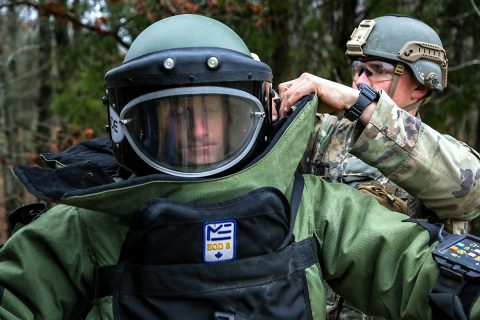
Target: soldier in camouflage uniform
point(389, 153)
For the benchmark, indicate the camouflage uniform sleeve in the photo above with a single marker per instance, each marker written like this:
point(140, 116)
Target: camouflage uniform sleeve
point(321, 137)
point(439, 170)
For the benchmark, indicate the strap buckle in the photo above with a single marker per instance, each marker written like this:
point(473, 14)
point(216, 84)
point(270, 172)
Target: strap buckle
point(399, 69)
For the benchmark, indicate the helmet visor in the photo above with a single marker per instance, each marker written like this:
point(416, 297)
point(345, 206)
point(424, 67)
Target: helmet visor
point(193, 131)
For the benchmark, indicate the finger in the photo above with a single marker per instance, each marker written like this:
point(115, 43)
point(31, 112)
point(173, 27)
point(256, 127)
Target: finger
point(295, 93)
point(285, 92)
point(290, 96)
point(284, 86)
point(294, 90)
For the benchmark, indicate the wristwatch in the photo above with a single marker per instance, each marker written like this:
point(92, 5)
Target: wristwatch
point(366, 97)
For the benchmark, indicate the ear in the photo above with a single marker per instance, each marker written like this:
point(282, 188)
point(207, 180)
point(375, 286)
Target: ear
point(419, 92)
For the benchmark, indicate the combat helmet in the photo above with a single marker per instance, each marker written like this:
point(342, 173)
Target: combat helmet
point(404, 41)
point(189, 100)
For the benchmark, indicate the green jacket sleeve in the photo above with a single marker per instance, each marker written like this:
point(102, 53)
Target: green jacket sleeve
point(369, 256)
point(435, 168)
point(43, 260)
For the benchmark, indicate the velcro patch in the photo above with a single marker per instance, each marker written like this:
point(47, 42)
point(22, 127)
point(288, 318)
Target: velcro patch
point(219, 241)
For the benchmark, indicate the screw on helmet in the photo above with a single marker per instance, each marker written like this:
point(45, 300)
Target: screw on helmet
point(404, 40)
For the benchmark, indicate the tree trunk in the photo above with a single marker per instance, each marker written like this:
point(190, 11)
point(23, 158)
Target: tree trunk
point(12, 192)
point(62, 44)
point(42, 135)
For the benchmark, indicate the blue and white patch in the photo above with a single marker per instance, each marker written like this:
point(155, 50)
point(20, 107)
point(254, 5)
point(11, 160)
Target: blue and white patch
point(219, 241)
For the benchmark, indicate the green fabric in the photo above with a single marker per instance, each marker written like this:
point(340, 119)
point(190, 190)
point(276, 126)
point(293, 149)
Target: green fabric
point(365, 251)
point(185, 31)
point(370, 257)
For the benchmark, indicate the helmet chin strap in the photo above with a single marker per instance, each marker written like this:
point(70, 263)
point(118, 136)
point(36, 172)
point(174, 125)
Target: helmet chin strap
point(399, 69)
point(397, 73)
point(415, 105)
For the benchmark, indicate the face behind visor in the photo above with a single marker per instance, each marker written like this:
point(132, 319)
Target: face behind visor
point(193, 132)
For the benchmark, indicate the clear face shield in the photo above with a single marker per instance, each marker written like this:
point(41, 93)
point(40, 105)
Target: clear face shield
point(193, 131)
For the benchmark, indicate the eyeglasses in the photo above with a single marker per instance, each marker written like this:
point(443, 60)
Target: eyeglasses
point(375, 70)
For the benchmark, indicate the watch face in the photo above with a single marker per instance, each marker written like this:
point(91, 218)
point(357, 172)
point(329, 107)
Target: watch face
point(465, 251)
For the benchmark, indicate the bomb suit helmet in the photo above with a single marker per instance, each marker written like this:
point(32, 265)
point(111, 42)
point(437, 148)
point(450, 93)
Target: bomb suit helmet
point(189, 100)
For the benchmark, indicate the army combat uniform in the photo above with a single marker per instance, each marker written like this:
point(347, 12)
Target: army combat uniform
point(407, 166)
point(48, 268)
point(395, 158)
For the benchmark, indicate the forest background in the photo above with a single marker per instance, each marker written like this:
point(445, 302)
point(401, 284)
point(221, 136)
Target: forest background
point(54, 54)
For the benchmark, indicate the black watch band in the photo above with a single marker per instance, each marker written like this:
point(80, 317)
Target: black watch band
point(366, 97)
point(452, 296)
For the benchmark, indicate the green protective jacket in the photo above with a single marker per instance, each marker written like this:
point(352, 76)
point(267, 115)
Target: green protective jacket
point(366, 253)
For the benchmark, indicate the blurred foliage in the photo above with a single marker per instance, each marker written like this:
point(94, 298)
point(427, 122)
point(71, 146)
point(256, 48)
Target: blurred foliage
point(79, 100)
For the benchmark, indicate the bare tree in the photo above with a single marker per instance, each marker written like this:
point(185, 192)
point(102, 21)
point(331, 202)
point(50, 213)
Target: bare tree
point(8, 71)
